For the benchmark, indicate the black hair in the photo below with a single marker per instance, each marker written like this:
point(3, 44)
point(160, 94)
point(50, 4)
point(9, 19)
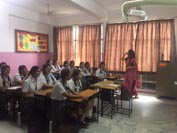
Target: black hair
point(44, 68)
point(54, 61)
point(21, 68)
point(101, 63)
point(34, 69)
point(65, 62)
point(64, 73)
point(48, 61)
point(72, 61)
point(81, 63)
point(75, 73)
point(131, 54)
point(2, 74)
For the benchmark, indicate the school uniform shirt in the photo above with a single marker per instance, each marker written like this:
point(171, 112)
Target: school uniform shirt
point(49, 79)
point(71, 68)
point(5, 82)
point(89, 70)
point(75, 86)
point(58, 90)
point(100, 73)
point(55, 68)
point(32, 85)
point(17, 78)
point(84, 72)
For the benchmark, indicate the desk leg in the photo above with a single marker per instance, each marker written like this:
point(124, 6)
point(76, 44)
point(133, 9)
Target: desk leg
point(98, 101)
point(101, 106)
point(112, 100)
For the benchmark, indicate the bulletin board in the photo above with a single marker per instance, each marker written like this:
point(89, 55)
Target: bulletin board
point(31, 41)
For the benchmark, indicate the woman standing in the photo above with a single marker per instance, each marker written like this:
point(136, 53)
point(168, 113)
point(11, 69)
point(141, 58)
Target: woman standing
point(131, 74)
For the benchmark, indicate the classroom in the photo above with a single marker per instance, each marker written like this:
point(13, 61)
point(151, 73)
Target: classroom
point(88, 66)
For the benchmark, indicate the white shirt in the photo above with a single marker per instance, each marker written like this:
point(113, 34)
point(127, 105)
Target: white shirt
point(32, 85)
point(17, 78)
point(84, 72)
point(89, 71)
point(101, 73)
point(49, 79)
point(74, 86)
point(57, 93)
point(7, 81)
point(55, 68)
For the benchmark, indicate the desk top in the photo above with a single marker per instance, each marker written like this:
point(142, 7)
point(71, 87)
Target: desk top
point(112, 77)
point(44, 92)
point(15, 87)
point(108, 84)
point(87, 92)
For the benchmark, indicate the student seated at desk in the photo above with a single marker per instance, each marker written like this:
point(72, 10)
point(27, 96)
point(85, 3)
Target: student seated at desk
point(75, 86)
point(65, 65)
point(47, 77)
point(88, 69)
point(56, 67)
point(101, 72)
point(5, 82)
point(30, 86)
point(21, 76)
point(61, 93)
point(33, 83)
point(72, 65)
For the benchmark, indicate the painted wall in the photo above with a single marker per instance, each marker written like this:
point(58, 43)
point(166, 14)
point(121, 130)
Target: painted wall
point(13, 17)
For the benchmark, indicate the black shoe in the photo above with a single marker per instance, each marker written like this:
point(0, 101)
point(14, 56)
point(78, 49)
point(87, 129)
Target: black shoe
point(84, 123)
point(92, 119)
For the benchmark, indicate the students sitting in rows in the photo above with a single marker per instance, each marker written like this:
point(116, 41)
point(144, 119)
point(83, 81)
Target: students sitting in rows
point(88, 69)
point(101, 72)
point(56, 67)
point(21, 76)
point(65, 65)
point(47, 77)
point(60, 94)
point(75, 86)
point(72, 65)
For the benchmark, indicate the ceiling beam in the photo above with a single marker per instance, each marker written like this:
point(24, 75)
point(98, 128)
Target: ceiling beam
point(90, 7)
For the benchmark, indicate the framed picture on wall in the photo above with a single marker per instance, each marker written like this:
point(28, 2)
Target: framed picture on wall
point(31, 41)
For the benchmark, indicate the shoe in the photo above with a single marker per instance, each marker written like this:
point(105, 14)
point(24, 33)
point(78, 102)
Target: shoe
point(83, 123)
point(91, 119)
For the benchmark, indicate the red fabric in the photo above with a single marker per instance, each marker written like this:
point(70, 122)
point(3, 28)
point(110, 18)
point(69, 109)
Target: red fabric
point(131, 76)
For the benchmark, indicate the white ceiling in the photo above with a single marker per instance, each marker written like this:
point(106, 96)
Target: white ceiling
point(103, 10)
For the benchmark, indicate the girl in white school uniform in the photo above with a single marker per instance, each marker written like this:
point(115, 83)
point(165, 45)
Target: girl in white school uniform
point(83, 70)
point(65, 65)
point(101, 72)
point(5, 82)
point(60, 93)
point(56, 67)
point(21, 76)
point(30, 86)
point(47, 77)
point(72, 65)
point(75, 86)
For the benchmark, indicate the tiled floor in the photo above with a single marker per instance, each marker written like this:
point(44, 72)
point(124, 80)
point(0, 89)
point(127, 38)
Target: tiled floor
point(150, 115)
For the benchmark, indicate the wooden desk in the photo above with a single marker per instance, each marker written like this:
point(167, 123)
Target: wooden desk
point(108, 84)
point(91, 95)
point(107, 89)
point(14, 88)
point(46, 92)
point(112, 77)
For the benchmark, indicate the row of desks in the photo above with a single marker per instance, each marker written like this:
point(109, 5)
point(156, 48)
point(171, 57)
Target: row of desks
point(90, 93)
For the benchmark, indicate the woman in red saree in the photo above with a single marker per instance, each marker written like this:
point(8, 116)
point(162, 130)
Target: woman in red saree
point(131, 75)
